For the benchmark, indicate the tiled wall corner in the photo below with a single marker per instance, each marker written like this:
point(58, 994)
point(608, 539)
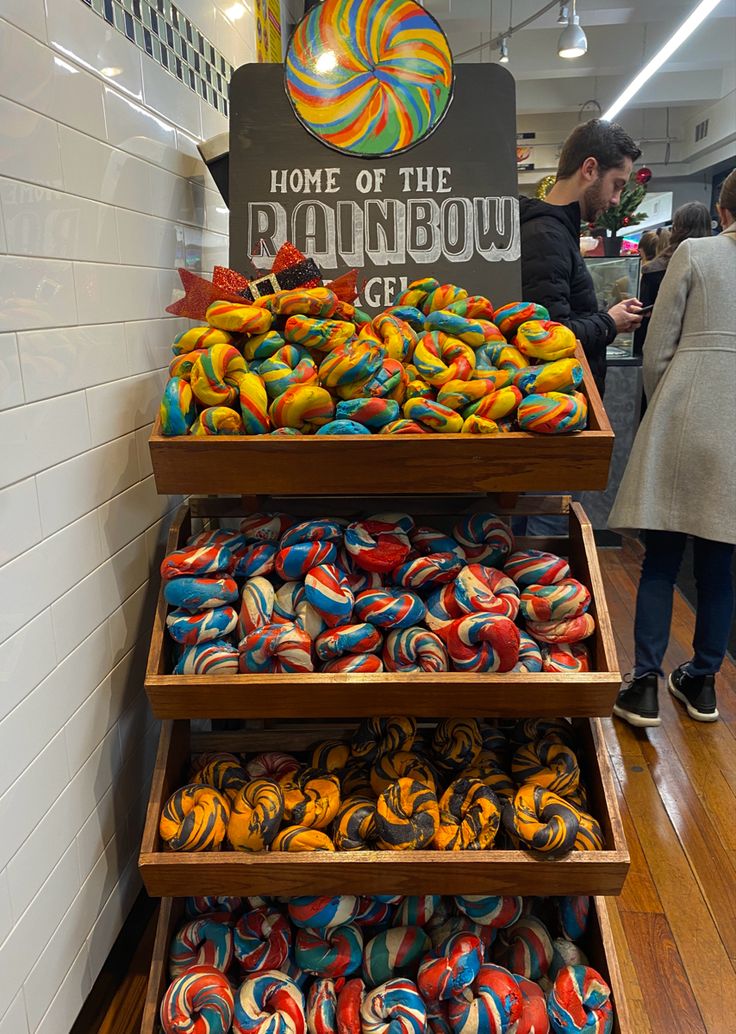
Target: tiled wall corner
point(102, 196)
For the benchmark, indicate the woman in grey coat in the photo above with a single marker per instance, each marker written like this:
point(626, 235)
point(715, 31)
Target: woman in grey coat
point(680, 480)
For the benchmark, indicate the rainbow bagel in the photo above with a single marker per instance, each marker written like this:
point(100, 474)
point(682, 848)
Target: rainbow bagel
point(191, 629)
point(201, 942)
point(510, 317)
point(199, 339)
point(305, 407)
point(545, 340)
point(355, 824)
point(312, 301)
point(272, 765)
point(414, 649)
point(254, 404)
point(216, 657)
point(319, 333)
point(342, 427)
point(200, 1001)
point(395, 336)
point(396, 952)
point(496, 354)
point(287, 368)
point(527, 948)
point(177, 410)
point(433, 416)
point(442, 296)
point(456, 966)
point(347, 639)
point(255, 815)
point(408, 314)
point(470, 814)
point(269, 1003)
point(547, 762)
point(490, 910)
point(573, 912)
point(567, 598)
point(189, 593)
point(238, 319)
point(327, 589)
point(217, 420)
point(530, 656)
point(458, 395)
point(376, 736)
point(300, 839)
point(256, 604)
point(395, 1007)
point(565, 375)
point(262, 940)
point(568, 630)
point(492, 1003)
point(469, 331)
point(389, 382)
point(534, 567)
point(373, 413)
point(194, 819)
point(431, 569)
point(440, 358)
point(565, 657)
point(399, 764)
point(481, 588)
point(482, 642)
point(553, 413)
point(417, 293)
point(215, 375)
point(407, 816)
point(294, 561)
point(223, 772)
point(475, 306)
point(387, 608)
point(485, 538)
point(580, 1001)
point(181, 365)
point(333, 952)
point(276, 649)
point(404, 427)
point(457, 743)
point(543, 821)
point(348, 367)
point(417, 389)
point(311, 798)
point(196, 562)
point(322, 1006)
point(262, 346)
point(500, 404)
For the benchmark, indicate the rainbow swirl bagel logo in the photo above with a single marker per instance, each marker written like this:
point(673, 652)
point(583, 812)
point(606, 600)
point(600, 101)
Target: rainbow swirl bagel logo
point(369, 77)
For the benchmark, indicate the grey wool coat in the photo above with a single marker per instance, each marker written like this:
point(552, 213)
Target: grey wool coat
point(681, 475)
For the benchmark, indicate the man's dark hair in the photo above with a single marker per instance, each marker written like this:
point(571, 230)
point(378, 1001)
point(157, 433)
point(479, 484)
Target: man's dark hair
point(605, 141)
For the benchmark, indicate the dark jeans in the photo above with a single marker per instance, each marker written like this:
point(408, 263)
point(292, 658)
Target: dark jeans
point(715, 599)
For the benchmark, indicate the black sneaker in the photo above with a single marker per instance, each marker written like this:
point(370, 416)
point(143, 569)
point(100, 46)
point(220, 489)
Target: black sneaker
point(637, 702)
point(697, 693)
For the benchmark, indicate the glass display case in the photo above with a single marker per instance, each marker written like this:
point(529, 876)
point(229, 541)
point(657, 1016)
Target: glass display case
point(614, 280)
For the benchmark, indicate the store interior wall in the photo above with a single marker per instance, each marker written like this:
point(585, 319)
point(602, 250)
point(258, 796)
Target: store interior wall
point(102, 196)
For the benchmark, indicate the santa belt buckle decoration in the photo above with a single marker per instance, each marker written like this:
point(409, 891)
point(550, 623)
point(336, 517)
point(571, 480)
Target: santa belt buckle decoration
point(264, 285)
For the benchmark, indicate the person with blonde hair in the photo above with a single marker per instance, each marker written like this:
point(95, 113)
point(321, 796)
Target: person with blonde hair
point(680, 480)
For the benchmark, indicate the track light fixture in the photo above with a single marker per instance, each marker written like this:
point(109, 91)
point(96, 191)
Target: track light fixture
point(504, 49)
point(573, 41)
point(564, 14)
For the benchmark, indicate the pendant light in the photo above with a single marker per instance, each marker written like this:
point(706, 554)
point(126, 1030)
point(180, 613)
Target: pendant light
point(573, 41)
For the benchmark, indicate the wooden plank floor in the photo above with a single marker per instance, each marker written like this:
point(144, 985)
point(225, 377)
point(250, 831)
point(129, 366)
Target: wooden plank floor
point(675, 925)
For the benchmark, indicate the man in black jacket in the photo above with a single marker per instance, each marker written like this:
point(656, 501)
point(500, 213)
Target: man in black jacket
point(594, 167)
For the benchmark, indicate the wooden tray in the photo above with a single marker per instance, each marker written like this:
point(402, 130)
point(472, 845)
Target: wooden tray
point(415, 464)
point(375, 872)
point(598, 945)
point(445, 694)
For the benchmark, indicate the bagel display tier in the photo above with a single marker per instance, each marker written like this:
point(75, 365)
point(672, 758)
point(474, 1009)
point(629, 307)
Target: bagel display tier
point(358, 694)
point(283, 873)
point(420, 464)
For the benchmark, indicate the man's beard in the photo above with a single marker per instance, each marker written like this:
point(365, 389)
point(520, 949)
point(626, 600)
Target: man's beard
point(592, 204)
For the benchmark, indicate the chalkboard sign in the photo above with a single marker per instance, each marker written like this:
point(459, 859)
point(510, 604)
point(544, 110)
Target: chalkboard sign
point(447, 208)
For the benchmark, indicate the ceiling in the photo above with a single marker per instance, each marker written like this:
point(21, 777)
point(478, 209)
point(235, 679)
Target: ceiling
point(622, 36)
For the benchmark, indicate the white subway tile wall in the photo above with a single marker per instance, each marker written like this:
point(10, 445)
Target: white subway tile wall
point(102, 196)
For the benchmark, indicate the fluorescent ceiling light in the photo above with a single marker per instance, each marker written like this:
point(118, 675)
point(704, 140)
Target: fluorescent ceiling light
point(110, 72)
point(687, 28)
point(235, 11)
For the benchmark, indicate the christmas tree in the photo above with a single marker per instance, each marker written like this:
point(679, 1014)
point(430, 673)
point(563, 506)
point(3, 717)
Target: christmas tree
point(625, 213)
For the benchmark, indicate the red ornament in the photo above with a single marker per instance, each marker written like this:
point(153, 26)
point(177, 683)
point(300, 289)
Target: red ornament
point(626, 220)
point(643, 176)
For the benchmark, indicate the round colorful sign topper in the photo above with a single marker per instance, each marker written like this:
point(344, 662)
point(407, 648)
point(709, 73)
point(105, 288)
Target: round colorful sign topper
point(369, 77)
